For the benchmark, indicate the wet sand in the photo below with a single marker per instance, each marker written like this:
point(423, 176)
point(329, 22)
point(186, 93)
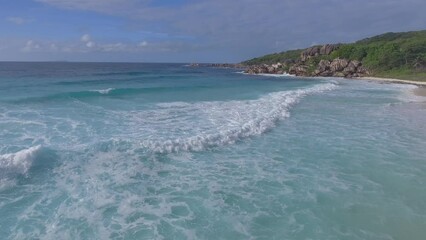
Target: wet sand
point(394, 80)
point(420, 91)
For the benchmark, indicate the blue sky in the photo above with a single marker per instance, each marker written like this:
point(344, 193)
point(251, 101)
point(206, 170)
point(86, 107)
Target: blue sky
point(190, 30)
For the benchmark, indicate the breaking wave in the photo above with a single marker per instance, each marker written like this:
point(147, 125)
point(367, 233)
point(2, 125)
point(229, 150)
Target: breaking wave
point(269, 74)
point(103, 91)
point(19, 162)
point(221, 123)
point(110, 92)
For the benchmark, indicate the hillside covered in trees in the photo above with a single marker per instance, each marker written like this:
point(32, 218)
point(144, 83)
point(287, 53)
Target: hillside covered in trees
point(398, 55)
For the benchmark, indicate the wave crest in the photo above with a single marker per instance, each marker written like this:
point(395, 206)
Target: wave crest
point(232, 121)
point(19, 162)
point(103, 91)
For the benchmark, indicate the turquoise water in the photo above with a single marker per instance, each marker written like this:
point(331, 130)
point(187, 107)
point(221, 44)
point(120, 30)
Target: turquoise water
point(164, 151)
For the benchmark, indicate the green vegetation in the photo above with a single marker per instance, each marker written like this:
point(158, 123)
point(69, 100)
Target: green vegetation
point(291, 55)
point(394, 55)
point(408, 74)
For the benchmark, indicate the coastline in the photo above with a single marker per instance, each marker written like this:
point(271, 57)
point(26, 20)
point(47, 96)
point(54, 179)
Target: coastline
point(393, 80)
point(419, 91)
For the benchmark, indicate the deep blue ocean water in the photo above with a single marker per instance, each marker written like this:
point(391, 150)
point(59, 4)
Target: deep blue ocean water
point(166, 151)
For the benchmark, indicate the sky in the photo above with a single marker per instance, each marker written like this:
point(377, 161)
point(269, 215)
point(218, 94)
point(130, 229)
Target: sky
point(191, 30)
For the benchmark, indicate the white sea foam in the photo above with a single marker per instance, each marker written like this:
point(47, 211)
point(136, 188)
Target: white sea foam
point(195, 127)
point(172, 126)
point(104, 91)
point(19, 162)
point(277, 75)
point(235, 192)
point(408, 94)
point(268, 74)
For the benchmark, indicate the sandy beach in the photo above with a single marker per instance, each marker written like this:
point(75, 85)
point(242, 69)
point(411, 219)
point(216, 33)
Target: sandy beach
point(419, 91)
point(393, 80)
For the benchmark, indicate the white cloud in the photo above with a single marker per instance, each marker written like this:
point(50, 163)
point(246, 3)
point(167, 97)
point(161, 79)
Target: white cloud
point(67, 49)
point(143, 44)
point(53, 47)
point(115, 47)
point(90, 44)
point(240, 27)
point(18, 20)
point(31, 46)
point(85, 38)
point(88, 41)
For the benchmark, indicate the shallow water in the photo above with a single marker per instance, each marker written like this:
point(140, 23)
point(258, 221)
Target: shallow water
point(164, 151)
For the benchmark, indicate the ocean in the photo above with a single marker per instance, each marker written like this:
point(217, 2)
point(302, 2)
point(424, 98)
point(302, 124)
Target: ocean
point(167, 151)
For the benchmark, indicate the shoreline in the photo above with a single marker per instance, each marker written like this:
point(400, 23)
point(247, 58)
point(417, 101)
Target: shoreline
point(393, 80)
point(374, 79)
point(419, 91)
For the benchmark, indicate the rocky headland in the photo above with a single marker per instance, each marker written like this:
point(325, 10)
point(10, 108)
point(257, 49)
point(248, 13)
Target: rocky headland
point(309, 65)
point(395, 56)
point(391, 55)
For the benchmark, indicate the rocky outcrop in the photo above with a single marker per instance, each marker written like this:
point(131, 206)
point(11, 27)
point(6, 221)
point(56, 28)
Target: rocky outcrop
point(329, 48)
point(318, 51)
point(266, 69)
point(310, 52)
point(308, 66)
point(323, 65)
point(340, 68)
point(325, 68)
point(338, 65)
point(299, 70)
point(226, 65)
